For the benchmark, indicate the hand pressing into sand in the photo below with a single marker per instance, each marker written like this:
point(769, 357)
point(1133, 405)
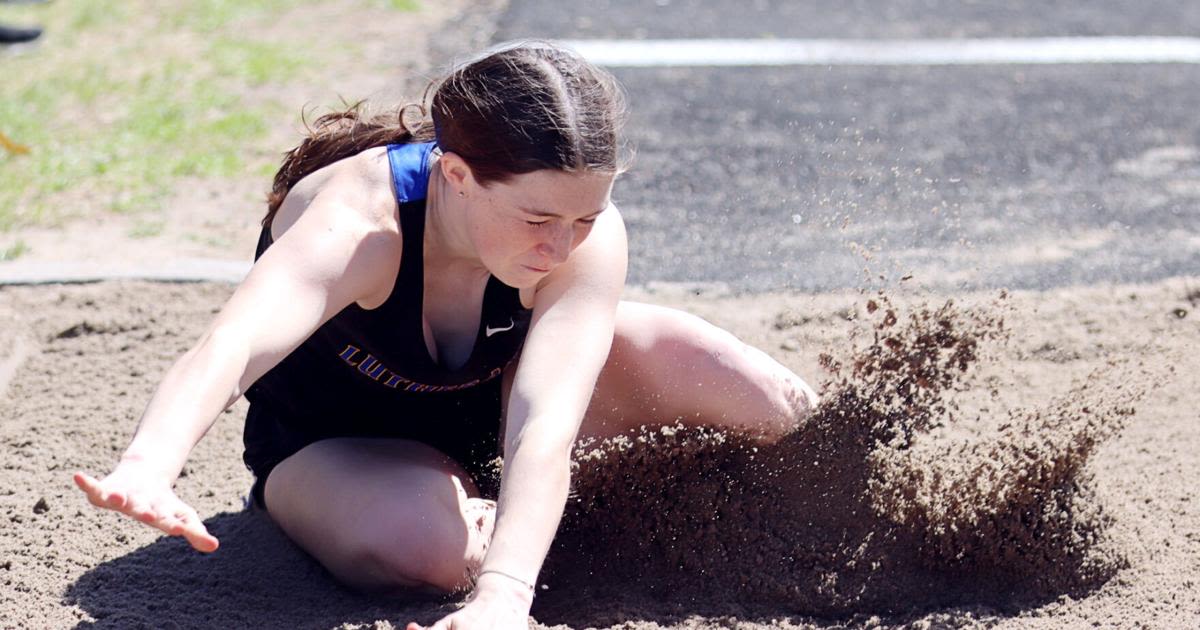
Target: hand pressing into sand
point(493, 605)
point(128, 491)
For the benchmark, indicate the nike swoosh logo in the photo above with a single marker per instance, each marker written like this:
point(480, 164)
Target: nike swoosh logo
point(491, 331)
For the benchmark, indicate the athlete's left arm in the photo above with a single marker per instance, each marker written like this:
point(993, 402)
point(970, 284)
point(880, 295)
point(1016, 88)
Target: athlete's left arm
point(568, 342)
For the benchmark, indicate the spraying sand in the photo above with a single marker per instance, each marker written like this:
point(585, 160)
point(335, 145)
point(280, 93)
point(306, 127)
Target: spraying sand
point(1019, 461)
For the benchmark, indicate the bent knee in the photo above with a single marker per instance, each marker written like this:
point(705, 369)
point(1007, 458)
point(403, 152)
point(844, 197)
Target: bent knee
point(667, 339)
point(395, 565)
point(785, 386)
point(409, 555)
point(797, 401)
point(711, 374)
point(386, 569)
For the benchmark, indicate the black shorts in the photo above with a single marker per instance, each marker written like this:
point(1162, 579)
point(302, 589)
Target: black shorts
point(464, 425)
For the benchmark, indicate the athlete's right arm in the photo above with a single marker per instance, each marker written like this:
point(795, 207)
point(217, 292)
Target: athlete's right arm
point(337, 252)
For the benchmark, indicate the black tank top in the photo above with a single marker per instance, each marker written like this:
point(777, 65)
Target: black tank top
point(368, 363)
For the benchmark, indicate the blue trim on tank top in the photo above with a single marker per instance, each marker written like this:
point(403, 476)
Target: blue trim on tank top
point(410, 169)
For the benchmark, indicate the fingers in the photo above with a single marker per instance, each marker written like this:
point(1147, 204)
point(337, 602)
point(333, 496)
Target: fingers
point(171, 525)
point(99, 496)
point(196, 534)
point(165, 512)
point(94, 490)
point(181, 521)
point(84, 481)
point(127, 503)
point(90, 487)
point(139, 508)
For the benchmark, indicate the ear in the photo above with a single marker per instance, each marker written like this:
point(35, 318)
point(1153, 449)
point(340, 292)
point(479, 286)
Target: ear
point(457, 172)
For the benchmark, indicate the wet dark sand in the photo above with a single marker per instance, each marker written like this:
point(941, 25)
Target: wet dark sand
point(1020, 462)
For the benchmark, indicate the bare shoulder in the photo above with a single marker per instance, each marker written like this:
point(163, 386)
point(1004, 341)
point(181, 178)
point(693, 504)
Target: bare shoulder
point(357, 188)
point(366, 179)
point(341, 223)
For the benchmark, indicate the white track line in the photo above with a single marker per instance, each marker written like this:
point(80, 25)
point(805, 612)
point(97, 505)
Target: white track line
point(226, 272)
point(182, 270)
point(887, 52)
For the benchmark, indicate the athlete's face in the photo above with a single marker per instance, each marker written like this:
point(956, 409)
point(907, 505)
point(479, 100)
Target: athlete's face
point(523, 228)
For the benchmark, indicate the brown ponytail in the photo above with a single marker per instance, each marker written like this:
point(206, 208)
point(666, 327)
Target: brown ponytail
point(336, 136)
point(515, 109)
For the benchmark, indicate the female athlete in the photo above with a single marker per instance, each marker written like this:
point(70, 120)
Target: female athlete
point(424, 300)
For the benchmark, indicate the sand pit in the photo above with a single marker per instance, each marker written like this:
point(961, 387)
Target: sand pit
point(1023, 462)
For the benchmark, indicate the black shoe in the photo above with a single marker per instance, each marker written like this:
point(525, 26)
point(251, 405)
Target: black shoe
point(12, 35)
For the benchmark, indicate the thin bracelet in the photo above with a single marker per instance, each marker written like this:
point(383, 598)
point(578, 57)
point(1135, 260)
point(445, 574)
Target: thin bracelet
point(509, 576)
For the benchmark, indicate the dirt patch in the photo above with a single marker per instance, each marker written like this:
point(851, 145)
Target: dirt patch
point(1016, 493)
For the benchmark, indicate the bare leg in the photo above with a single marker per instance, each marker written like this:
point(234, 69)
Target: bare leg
point(668, 366)
point(382, 514)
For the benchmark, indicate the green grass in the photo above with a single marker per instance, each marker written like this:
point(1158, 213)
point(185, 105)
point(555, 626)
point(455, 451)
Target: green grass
point(404, 5)
point(14, 251)
point(98, 14)
point(121, 101)
point(211, 241)
point(146, 229)
point(208, 16)
point(257, 63)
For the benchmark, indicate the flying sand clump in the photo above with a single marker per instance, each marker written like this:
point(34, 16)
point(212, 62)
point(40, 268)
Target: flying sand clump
point(877, 503)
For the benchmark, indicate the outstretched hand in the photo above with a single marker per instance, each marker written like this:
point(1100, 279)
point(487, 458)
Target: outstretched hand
point(487, 609)
point(151, 502)
point(476, 618)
